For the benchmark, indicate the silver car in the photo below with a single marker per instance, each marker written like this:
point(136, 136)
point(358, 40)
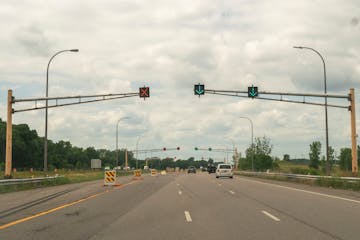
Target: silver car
point(224, 170)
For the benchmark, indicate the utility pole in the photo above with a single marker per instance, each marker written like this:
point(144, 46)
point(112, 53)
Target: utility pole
point(126, 159)
point(354, 156)
point(9, 136)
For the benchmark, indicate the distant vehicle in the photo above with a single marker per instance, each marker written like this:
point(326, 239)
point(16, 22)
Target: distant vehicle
point(107, 168)
point(224, 170)
point(211, 169)
point(191, 169)
point(204, 169)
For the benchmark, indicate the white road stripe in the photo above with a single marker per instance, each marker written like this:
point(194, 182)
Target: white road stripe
point(305, 191)
point(271, 216)
point(180, 192)
point(187, 216)
point(232, 192)
point(219, 184)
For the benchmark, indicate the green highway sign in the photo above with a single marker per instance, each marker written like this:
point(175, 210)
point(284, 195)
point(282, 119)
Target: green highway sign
point(253, 92)
point(199, 89)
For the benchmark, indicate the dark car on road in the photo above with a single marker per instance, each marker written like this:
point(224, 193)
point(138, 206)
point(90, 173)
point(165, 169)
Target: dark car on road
point(191, 169)
point(211, 169)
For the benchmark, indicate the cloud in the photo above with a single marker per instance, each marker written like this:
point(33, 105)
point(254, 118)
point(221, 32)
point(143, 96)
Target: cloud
point(32, 40)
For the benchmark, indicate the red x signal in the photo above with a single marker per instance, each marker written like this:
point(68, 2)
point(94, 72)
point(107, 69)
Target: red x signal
point(144, 92)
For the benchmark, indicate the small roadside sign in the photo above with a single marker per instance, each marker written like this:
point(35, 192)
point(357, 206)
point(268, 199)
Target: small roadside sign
point(109, 177)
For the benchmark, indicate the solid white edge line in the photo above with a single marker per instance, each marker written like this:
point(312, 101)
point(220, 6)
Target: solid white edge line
point(305, 191)
point(270, 216)
point(187, 216)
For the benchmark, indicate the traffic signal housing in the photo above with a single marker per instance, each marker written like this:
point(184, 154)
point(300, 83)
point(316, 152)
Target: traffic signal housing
point(199, 89)
point(144, 92)
point(253, 92)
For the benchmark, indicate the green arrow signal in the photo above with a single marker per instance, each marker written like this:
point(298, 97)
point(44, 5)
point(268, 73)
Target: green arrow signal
point(196, 148)
point(253, 91)
point(199, 89)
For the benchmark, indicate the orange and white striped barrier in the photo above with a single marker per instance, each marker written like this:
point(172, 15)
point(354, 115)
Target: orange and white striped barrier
point(109, 177)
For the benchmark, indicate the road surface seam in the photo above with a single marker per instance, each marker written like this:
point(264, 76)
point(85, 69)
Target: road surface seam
point(32, 203)
point(59, 207)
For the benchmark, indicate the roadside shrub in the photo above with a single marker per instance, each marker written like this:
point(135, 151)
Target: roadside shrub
point(313, 171)
point(297, 170)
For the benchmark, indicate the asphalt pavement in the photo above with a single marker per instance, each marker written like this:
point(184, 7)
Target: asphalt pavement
point(181, 206)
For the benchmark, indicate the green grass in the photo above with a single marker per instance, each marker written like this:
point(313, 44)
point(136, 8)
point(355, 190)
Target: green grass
point(67, 177)
point(288, 167)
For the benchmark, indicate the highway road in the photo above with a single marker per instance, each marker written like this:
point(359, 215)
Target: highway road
point(181, 206)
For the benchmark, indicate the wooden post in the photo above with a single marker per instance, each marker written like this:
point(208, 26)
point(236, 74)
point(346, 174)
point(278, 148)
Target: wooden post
point(353, 133)
point(9, 137)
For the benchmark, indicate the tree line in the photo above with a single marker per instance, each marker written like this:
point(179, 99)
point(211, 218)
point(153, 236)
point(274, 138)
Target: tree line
point(344, 159)
point(28, 150)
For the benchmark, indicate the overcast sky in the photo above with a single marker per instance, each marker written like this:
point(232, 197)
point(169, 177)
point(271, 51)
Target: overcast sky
point(170, 46)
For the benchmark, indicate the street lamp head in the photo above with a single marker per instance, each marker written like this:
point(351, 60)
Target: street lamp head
point(74, 50)
point(299, 47)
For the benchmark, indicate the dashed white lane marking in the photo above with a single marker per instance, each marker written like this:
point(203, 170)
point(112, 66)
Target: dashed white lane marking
point(219, 184)
point(271, 216)
point(232, 192)
point(305, 191)
point(180, 192)
point(187, 216)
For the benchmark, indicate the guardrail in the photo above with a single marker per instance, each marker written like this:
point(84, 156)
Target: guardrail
point(298, 176)
point(27, 180)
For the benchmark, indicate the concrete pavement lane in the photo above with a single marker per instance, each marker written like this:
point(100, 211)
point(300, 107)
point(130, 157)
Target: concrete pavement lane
point(85, 219)
point(22, 204)
point(323, 211)
point(214, 211)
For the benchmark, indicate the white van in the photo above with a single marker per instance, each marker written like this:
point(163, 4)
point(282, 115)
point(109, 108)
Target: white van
point(224, 170)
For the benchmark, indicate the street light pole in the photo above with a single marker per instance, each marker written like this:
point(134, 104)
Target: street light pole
point(326, 112)
point(46, 103)
point(252, 141)
point(117, 136)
